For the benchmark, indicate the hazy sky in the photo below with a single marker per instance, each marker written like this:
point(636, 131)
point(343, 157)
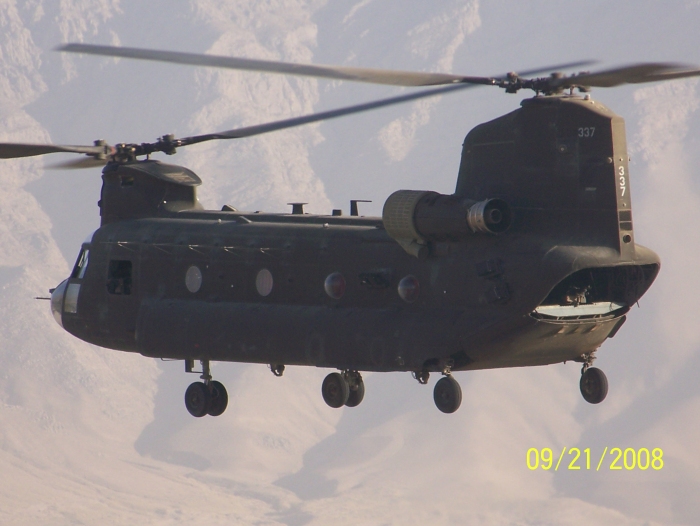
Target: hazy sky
point(90, 435)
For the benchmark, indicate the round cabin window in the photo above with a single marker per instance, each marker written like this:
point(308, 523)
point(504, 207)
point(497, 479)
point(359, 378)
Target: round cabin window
point(409, 288)
point(263, 282)
point(193, 279)
point(335, 285)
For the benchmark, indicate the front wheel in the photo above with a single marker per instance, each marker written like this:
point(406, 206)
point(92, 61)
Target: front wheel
point(219, 398)
point(356, 395)
point(335, 390)
point(198, 399)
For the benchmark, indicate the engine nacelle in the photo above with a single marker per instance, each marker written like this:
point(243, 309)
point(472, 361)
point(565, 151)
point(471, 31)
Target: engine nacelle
point(414, 217)
point(490, 216)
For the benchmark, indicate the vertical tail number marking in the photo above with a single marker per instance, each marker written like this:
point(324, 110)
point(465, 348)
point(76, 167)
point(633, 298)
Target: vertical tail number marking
point(622, 180)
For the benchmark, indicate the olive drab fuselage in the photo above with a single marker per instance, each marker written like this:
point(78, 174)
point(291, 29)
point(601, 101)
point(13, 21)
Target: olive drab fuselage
point(165, 278)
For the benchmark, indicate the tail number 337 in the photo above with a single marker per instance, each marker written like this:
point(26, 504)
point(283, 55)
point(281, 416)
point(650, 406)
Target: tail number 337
point(622, 180)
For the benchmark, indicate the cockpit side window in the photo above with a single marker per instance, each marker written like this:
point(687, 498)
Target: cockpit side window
point(119, 277)
point(81, 264)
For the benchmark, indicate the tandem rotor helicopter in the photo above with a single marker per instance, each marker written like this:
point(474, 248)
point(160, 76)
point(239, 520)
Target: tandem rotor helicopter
point(531, 261)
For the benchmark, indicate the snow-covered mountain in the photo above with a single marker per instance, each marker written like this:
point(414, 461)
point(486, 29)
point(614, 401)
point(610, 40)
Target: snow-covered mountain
point(90, 435)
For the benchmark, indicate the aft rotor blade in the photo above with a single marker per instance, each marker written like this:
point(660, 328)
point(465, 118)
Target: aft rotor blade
point(258, 129)
point(376, 76)
point(549, 69)
point(633, 74)
point(13, 150)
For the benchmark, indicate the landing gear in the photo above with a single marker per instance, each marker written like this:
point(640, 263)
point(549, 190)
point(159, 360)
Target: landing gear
point(447, 394)
point(277, 369)
point(219, 398)
point(197, 399)
point(594, 383)
point(205, 398)
point(343, 389)
point(421, 376)
point(357, 388)
point(335, 390)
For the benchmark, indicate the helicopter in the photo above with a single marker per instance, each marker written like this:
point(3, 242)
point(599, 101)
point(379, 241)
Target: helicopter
point(531, 261)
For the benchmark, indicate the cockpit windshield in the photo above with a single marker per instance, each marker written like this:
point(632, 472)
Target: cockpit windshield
point(81, 264)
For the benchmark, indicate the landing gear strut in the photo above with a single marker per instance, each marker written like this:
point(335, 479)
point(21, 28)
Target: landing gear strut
point(343, 389)
point(421, 376)
point(277, 369)
point(208, 397)
point(594, 383)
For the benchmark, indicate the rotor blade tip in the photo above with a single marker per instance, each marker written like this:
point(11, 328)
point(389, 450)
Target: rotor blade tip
point(72, 47)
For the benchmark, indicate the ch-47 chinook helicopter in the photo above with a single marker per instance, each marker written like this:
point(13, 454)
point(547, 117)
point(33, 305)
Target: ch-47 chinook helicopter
point(531, 261)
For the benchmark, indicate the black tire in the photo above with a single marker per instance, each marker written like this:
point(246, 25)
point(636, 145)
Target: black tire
point(594, 385)
point(447, 394)
point(335, 390)
point(219, 398)
point(197, 399)
point(356, 395)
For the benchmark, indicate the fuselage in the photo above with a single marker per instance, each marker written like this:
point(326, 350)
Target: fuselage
point(335, 291)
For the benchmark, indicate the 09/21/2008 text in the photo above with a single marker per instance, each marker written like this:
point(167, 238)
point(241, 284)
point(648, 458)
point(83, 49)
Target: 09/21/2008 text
point(577, 459)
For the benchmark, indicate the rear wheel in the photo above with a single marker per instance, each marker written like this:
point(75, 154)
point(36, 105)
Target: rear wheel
point(198, 399)
point(335, 390)
point(594, 385)
point(447, 394)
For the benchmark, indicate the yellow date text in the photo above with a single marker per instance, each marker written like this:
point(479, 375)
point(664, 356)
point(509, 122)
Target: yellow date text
point(577, 459)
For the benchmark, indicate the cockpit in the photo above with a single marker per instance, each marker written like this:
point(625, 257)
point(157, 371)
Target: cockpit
point(64, 298)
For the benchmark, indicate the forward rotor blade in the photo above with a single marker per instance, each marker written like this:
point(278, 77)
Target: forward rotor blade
point(258, 129)
point(13, 150)
point(633, 74)
point(77, 164)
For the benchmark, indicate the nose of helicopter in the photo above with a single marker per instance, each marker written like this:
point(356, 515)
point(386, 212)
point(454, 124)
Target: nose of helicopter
point(57, 302)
